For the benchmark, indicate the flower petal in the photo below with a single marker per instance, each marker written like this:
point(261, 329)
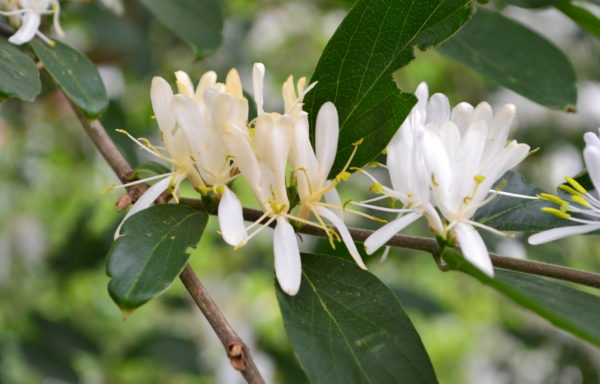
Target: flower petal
point(161, 95)
point(344, 233)
point(258, 74)
point(326, 141)
point(438, 109)
point(288, 267)
point(231, 218)
point(591, 155)
point(385, 233)
point(473, 248)
point(559, 233)
point(145, 200)
point(29, 27)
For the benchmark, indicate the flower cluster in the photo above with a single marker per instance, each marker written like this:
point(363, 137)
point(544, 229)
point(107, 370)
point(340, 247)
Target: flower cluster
point(442, 165)
point(584, 204)
point(26, 15)
point(209, 141)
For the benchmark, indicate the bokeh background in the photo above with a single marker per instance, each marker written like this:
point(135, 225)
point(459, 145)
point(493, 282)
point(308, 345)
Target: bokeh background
point(57, 322)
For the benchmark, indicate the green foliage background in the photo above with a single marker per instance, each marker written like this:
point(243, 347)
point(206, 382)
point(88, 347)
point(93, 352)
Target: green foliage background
point(57, 321)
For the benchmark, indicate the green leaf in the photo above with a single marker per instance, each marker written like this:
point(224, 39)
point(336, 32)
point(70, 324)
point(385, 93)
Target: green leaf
point(531, 3)
point(516, 58)
point(584, 18)
point(517, 214)
point(152, 252)
point(574, 311)
point(75, 74)
point(347, 327)
point(148, 169)
point(197, 22)
point(355, 71)
point(19, 76)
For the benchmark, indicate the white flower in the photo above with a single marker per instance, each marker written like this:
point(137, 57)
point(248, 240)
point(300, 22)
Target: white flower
point(466, 152)
point(191, 125)
point(409, 177)
point(585, 204)
point(26, 15)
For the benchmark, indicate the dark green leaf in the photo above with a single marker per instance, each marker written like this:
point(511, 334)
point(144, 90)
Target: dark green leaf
point(151, 253)
point(516, 58)
point(568, 308)
point(75, 74)
point(19, 76)
point(517, 214)
point(532, 3)
point(197, 22)
point(584, 18)
point(347, 327)
point(355, 71)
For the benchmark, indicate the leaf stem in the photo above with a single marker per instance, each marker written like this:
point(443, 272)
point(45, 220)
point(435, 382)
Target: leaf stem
point(430, 245)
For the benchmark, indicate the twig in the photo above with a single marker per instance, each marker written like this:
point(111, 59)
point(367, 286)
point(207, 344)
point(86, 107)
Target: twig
point(237, 351)
point(430, 245)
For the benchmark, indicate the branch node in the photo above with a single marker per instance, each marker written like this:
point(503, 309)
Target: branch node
point(237, 355)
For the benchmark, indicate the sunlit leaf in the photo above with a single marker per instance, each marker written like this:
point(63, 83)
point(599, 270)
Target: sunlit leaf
point(515, 57)
point(346, 326)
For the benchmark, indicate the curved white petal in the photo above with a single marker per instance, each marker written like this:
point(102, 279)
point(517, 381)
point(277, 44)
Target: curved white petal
point(161, 95)
point(190, 120)
point(29, 26)
point(559, 233)
point(258, 74)
point(438, 109)
point(326, 140)
point(344, 233)
point(473, 248)
point(591, 155)
point(385, 233)
point(145, 200)
point(333, 197)
point(288, 267)
point(231, 218)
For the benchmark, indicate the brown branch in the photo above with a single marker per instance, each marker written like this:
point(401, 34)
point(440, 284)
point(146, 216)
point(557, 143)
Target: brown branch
point(237, 351)
point(430, 245)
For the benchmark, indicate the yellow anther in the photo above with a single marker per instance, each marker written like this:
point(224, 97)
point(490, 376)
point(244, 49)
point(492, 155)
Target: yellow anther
point(384, 152)
point(568, 189)
point(220, 189)
point(343, 176)
point(576, 185)
point(501, 185)
point(552, 198)
point(109, 189)
point(358, 142)
point(52, 43)
point(122, 131)
point(581, 201)
point(377, 188)
point(153, 117)
point(556, 212)
point(145, 141)
point(433, 181)
point(193, 158)
point(479, 179)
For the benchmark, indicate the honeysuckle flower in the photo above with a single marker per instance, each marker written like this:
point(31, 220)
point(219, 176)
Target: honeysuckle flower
point(466, 151)
point(26, 15)
point(409, 178)
point(191, 125)
point(312, 168)
point(584, 204)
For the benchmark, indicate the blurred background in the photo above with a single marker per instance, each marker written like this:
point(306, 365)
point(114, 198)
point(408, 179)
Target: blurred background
point(57, 321)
